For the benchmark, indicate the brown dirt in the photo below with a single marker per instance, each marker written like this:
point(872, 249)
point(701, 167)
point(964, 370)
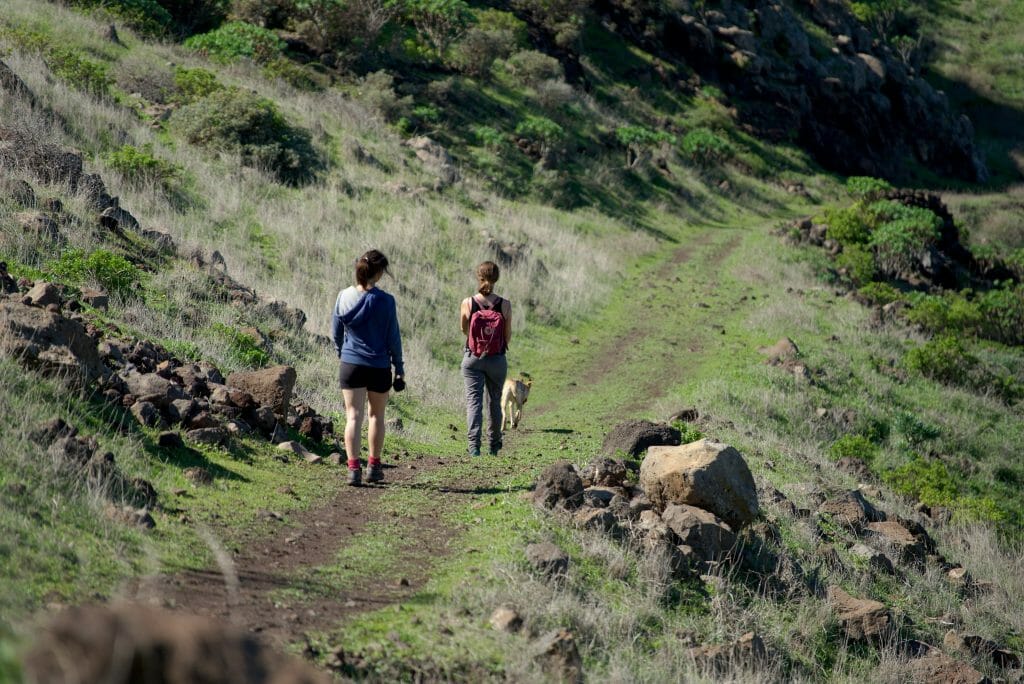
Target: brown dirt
point(305, 540)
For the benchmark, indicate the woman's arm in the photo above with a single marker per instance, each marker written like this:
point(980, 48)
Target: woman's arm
point(506, 311)
point(395, 344)
point(464, 311)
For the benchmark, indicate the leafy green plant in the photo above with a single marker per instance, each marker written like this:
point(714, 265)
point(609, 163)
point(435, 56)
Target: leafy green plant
point(858, 263)
point(903, 234)
point(541, 130)
point(533, 67)
point(147, 16)
point(438, 22)
point(879, 294)
point(866, 187)
point(846, 225)
point(489, 137)
point(687, 432)
point(944, 359)
point(913, 429)
point(237, 39)
point(561, 19)
point(927, 481)
point(139, 166)
point(233, 120)
point(704, 147)
point(853, 446)
point(243, 348)
point(115, 273)
point(194, 84)
point(1001, 312)
point(296, 75)
point(639, 139)
point(81, 72)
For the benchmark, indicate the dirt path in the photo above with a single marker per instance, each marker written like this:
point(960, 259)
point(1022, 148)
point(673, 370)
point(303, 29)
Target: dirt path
point(270, 588)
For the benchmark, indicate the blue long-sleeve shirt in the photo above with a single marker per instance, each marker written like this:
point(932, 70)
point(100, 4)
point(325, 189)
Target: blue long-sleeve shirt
point(364, 326)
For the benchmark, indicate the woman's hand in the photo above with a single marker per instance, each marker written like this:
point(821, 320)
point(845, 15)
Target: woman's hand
point(399, 383)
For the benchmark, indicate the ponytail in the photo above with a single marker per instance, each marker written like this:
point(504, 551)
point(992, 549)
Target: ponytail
point(487, 274)
point(369, 266)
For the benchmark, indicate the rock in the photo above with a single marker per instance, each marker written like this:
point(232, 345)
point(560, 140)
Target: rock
point(851, 509)
point(128, 515)
point(269, 387)
point(16, 190)
point(710, 537)
point(264, 420)
point(394, 424)
point(506, 619)
point(981, 647)
point(599, 519)
point(874, 559)
point(557, 651)
point(170, 440)
point(300, 451)
point(122, 642)
point(747, 652)
point(216, 436)
point(558, 486)
point(153, 388)
point(182, 410)
point(12, 84)
point(600, 497)
point(72, 452)
point(634, 437)
point(860, 619)
point(547, 559)
point(436, 157)
point(604, 472)
point(49, 342)
point(117, 219)
point(909, 548)
point(146, 413)
point(706, 474)
point(938, 668)
point(311, 428)
point(198, 475)
point(856, 467)
point(50, 431)
point(97, 299)
point(43, 294)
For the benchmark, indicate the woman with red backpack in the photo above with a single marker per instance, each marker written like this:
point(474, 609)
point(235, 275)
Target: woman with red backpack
point(486, 322)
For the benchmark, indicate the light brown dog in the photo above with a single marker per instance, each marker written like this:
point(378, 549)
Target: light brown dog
point(513, 396)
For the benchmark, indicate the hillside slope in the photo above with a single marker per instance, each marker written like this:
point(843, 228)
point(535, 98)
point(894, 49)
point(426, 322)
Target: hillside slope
point(633, 171)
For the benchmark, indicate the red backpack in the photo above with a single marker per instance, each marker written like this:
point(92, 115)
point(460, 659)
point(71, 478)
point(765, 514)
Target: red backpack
point(486, 329)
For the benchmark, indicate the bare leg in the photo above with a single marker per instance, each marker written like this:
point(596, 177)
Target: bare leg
point(355, 410)
point(378, 401)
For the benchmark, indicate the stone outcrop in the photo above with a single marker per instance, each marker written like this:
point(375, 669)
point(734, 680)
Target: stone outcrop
point(706, 474)
point(633, 437)
point(708, 536)
point(271, 386)
point(49, 342)
point(860, 619)
point(559, 486)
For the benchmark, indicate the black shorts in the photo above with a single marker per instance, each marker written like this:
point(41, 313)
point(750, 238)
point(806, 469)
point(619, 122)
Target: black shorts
point(352, 376)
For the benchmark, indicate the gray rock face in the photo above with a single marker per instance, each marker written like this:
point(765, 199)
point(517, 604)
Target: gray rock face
point(706, 474)
point(709, 536)
point(49, 342)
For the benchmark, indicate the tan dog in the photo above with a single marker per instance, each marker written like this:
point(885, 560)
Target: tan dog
point(513, 396)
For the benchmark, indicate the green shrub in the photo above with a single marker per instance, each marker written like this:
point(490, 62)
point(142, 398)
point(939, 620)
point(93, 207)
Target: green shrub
point(496, 35)
point(638, 139)
point(489, 137)
point(927, 481)
point(914, 430)
point(244, 349)
point(902, 235)
point(944, 359)
point(140, 167)
point(858, 262)
point(237, 39)
point(296, 75)
point(879, 294)
point(79, 71)
point(853, 446)
point(949, 313)
point(115, 273)
point(846, 225)
point(704, 147)
point(147, 16)
point(532, 67)
point(438, 22)
point(194, 84)
point(687, 432)
point(376, 90)
point(866, 187)
point(1001, 312)
point(561, 19)
point(541, 130)
point(235, 121)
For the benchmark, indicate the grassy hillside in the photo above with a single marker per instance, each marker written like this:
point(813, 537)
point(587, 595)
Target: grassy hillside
point(641, 223)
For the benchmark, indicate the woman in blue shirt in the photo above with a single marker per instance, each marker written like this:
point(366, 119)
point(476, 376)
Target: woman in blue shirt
point(366, 336)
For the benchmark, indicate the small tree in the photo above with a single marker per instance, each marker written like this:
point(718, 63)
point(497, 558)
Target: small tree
point(439, 22)
point(639, 141)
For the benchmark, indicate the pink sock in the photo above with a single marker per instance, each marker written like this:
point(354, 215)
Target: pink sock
point(374, 460)
point(354, 464)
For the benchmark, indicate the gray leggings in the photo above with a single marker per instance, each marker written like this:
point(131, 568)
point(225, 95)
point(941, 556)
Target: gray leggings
point(484, 373)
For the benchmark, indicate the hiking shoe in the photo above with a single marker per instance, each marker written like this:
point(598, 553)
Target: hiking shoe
point(474, 451)
point(355, 478)
point(376, 473)
point(493, 451)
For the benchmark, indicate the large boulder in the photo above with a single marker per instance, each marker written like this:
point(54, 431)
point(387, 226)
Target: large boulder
point(634, 437)
point(133, 643)
point(559, 486)
point(860, 619)
point(49, 342)
point(705, 474)
point(270, 387)
point(709, 537)
point(152, 388)
point(851, 509)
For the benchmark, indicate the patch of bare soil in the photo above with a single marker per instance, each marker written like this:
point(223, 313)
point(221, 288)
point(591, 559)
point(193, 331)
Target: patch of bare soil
point(246, 589)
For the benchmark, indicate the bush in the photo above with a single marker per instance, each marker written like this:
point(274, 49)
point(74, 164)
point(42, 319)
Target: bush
point(903, 235)
point(949, 313)
point(237, 39)
point(489, 137)
point(140, 167)
point(1001, 312)
point(541, 130)
point(704, 147)
point(927, 481)
point(81, 72)
point(638, 140)
point(147, 16)
point(376, 90)
point(532, 67)
point(858, 263)
point(846, 225)
point(879, 294)
point(866, 187)
point(296, 75)
point(495, 36)
point(944, 359)
point(243, 349)
point(113, 272)
point(853, 446)
point(352, 29)
point(561, 19)
point(438, 22)
point(194, 84)
point(235, 121)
